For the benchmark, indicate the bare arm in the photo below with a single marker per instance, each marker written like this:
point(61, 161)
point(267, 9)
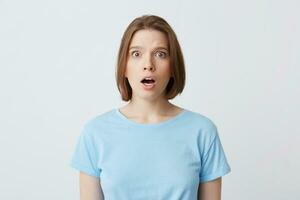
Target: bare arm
point(90, 188)
point(210, 190)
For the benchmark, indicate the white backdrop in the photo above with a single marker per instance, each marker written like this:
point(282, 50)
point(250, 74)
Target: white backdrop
point(58, 61)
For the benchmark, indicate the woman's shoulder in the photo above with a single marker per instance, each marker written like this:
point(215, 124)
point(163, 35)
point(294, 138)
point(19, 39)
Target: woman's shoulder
point(101, 119)
point(201, 119)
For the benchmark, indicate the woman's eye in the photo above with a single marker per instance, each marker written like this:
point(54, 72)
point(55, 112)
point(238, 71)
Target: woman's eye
point(135, 54)
point(161, 54)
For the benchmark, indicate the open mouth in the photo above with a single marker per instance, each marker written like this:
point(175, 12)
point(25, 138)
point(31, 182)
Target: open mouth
point(148, 82)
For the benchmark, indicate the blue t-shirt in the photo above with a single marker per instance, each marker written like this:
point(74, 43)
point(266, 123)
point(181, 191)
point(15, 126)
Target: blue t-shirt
point(161, 161)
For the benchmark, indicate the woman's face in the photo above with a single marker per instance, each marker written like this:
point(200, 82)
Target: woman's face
point(148, 55)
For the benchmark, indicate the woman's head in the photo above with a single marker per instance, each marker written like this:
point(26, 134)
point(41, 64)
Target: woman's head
point(148, 36)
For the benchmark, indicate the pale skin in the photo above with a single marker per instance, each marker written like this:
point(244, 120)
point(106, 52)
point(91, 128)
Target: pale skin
point(148, 55)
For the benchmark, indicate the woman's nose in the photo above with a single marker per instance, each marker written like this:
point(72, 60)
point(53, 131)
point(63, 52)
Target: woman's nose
point(151, 68)
point(149, 64)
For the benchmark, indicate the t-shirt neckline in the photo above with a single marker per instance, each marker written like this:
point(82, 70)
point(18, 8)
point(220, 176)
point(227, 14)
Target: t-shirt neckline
point(152, 125)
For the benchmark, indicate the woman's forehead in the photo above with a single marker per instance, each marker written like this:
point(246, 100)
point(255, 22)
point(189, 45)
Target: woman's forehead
point(145, 38)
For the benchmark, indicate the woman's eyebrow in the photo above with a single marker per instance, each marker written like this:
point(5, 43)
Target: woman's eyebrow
point(164, 48)
point(136, 47)
point(139, 47)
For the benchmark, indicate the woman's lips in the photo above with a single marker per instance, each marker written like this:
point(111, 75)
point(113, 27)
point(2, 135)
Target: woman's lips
point(148, 86)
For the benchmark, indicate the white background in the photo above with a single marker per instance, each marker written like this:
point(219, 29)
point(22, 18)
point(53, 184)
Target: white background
point(58, 61)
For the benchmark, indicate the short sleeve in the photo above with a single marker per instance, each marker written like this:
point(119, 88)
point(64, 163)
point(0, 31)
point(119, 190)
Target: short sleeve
point(85, 156)
point(213, 160)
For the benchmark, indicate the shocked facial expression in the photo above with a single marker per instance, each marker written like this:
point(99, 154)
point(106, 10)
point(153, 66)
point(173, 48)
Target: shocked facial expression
point(148, 64)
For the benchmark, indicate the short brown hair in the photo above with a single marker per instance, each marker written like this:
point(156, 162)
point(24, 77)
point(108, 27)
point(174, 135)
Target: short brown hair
point(177, 80)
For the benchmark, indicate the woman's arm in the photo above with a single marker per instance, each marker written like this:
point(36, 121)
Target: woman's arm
point(210, 190)
point(90, 188)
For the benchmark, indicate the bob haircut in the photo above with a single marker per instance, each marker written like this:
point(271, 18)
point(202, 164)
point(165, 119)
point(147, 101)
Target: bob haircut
point(177, 81)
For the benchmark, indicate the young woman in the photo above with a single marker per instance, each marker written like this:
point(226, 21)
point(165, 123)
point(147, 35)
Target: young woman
point(150, 148)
